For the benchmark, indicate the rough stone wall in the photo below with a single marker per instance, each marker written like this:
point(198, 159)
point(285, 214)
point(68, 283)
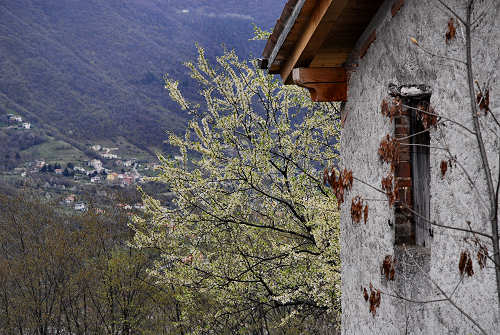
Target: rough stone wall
point(392, 58)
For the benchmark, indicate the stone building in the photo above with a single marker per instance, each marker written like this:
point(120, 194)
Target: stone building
point(414, 103)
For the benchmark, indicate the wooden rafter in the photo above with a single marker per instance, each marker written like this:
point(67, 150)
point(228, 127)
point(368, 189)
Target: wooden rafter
point(286, 30)
point(324, 84)
point(314, 34)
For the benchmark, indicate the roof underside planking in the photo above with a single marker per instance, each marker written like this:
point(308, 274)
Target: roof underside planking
point(316, 34)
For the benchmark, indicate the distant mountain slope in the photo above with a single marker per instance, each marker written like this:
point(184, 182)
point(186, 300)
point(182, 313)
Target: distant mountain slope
point(92, 69)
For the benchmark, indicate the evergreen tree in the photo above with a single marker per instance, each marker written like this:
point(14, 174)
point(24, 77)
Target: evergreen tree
point(68, 172)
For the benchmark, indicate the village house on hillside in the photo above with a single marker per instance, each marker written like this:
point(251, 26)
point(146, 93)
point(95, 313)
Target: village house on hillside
point(39, 164)
point(418, 90)
point(69, 199)
point(96, 164)
point(96, 147)
point(109, 156)
point(95, 179)
point(80, 207)
point(15, 118)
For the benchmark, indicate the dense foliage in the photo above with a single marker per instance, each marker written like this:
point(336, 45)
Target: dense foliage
point(252, 232)
point(73, 274)
point(92, 70)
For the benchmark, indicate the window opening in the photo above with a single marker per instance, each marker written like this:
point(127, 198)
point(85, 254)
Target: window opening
point(412, 174)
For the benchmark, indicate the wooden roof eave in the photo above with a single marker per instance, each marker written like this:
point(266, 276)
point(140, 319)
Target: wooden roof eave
point(284, 34)
point(302, 42)
point(312, 36)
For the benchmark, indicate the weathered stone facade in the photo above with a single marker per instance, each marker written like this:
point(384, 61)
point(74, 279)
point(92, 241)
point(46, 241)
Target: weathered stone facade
point(421, 270)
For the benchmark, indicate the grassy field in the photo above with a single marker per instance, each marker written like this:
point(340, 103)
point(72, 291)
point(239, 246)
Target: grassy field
point(126, 150)
point(54, 151)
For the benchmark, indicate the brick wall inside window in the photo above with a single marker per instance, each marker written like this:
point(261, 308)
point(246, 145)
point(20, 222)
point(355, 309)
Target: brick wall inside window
point(412, 173)
point(405, 232)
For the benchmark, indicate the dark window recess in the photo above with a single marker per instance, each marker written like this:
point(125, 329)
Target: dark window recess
point(412, 173)
point(421, 177)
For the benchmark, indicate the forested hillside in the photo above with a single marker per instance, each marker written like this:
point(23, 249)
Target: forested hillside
point(92, 70)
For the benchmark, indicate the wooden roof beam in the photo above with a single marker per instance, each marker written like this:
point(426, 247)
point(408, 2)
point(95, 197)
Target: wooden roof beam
point(284, 34)
point(314, 34)
point(324, 84)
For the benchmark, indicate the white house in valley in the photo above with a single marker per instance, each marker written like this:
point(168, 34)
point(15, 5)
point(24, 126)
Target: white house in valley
point(96, 164)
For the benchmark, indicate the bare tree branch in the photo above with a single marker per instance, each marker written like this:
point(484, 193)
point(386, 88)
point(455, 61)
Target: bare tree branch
point(482, 149)
point(448, 298)
point(464, 170)
point(421, 145)
point(459, 18)
point(369, 185)
point(398, 296)
point(434, 223)
point(439, 56)
point(440, 116)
